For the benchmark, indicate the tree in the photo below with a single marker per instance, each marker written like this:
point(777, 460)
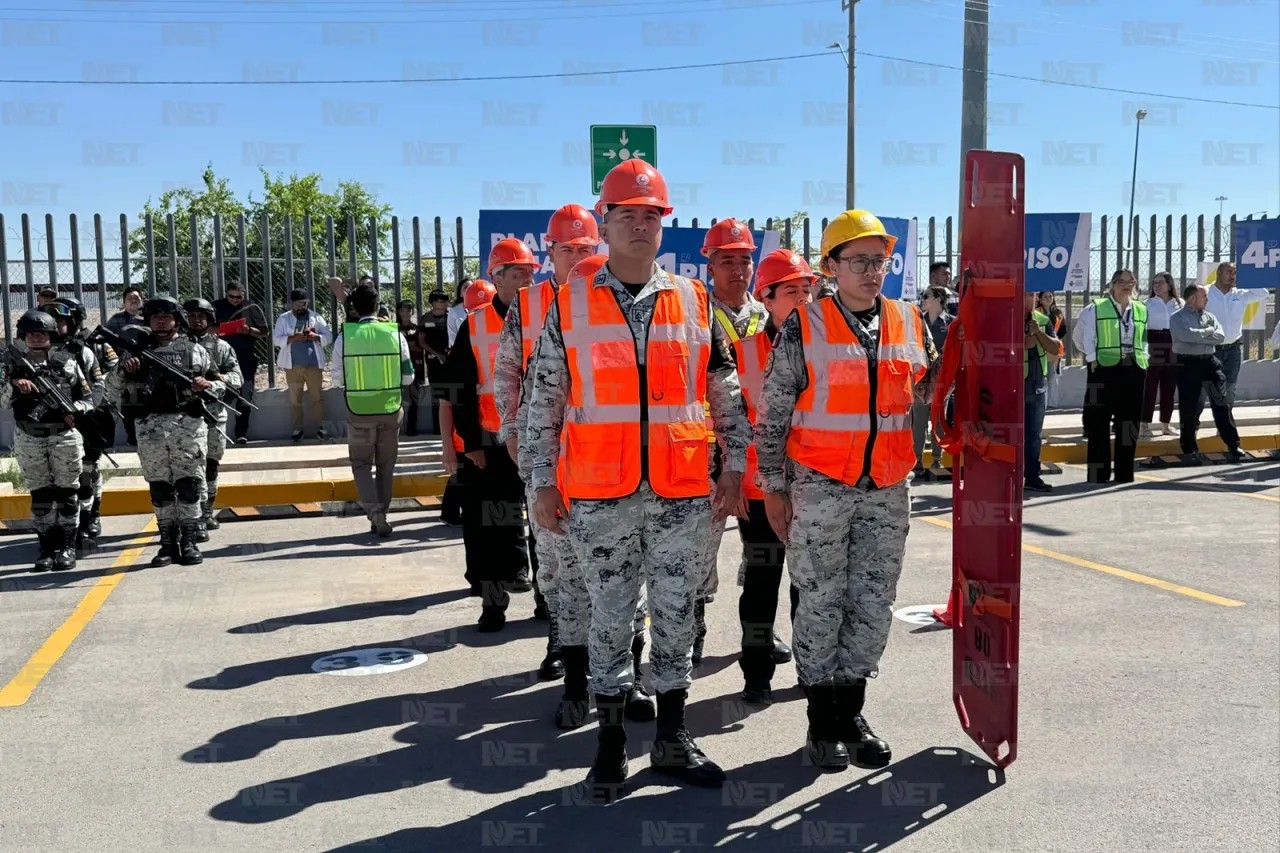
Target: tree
point(215, 198)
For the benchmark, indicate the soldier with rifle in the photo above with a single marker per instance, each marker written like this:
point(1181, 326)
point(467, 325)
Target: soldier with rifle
point(48, 393)
point(201, 318)
point(164, 381)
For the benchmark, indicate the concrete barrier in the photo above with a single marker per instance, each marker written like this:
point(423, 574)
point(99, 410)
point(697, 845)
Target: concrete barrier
point(1259, 380)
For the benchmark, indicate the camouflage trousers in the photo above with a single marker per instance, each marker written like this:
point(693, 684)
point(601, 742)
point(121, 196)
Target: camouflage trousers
point(563, 586)
point(51, 471)
point(845, 551)
point(624, 547)
point(709, 556)
point(172, 450)
point(215, 448)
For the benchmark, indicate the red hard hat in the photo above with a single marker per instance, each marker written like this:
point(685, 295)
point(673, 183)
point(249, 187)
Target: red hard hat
point(478, 294)
point(728, 234)
point(633, 182)
point(781, 265)
point(588, 268)
point(573, 225)
point(510, 251)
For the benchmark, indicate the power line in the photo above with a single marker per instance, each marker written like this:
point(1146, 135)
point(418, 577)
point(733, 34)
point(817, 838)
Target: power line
point(608, 72)
point(547, 16)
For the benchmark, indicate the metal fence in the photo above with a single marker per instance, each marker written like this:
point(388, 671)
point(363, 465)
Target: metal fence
point(409, 258)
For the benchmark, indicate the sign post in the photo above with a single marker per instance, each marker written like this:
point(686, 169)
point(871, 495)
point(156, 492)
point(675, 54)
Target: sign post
point(611, 144)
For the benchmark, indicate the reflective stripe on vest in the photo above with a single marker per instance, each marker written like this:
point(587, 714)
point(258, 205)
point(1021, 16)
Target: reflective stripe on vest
point(602, 437)
point(1107, 331)
point(832, 422)
point(485, 325)
point(1040, 320)
point(371, 365)
point(532, 317)
point(752, 356)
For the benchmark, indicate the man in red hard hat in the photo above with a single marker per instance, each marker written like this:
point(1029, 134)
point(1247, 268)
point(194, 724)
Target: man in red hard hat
point(493, 493)
point(626, 362)
point(572, 235)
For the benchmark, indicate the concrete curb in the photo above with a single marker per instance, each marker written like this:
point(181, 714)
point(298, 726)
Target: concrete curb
point(319, 493)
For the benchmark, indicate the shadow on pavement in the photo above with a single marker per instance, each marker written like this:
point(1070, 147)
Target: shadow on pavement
point(353, 612)
point(872, 812)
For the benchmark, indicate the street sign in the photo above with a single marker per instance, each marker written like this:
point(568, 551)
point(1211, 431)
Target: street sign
point(613, 143)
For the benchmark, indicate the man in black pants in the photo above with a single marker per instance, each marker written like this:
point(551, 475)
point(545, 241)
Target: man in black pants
point(493, 526)
point(1197, 335)
point(243, 338)
point(783, 282)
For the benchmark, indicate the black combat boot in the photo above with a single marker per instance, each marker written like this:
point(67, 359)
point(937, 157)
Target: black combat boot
point(781, 651)
point(674, 751)
point(44, 562)
point(865, 748)
point(640, 707)
point(699, 630)
point(552, 667)
point(211, 519)
point(575, 704)
point(199, 531)
point(64, 555)
point(168, 544)
point(610, 769)
point(188, 553)
point(822, 741)
point(85, 539)
point(95, 519)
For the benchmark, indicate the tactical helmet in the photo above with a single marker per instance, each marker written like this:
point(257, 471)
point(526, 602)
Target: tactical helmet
point(37, 321)
point(58, 311)
point(163, 305)
point(202, 305)
point(78, 312)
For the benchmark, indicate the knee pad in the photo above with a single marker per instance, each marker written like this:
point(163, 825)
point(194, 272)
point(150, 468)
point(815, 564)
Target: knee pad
point(42, 500)
point(66, 501)
point(188, 489)
point(161, 493)
point(211, 469)
point(86, 485)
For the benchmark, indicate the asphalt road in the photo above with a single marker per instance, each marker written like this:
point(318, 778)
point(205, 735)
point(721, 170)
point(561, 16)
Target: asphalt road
point(186, 715)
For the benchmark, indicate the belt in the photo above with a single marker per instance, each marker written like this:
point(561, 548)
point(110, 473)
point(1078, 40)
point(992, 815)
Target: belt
point(1232, 344)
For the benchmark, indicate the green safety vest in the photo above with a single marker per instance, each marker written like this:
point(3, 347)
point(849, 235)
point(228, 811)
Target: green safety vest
point(371, 362)
point(1040, 320)
point(1107, 325)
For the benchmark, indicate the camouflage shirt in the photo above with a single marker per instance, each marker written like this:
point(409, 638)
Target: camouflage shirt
point(182, 353)
point(551, 381)
point(223, 359)
point(508, 370)
point(786, 376)
point(66, 374)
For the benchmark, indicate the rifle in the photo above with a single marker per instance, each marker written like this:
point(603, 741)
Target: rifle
point(140, 351)
point(52, 397)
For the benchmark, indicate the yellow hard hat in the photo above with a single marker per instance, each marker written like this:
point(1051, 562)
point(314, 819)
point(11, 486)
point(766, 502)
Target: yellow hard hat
point(851, 225)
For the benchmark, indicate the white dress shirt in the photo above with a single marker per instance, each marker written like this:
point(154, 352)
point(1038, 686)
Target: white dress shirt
point(1229, 308)
point(1085, 333)
point(1158, 313)
point(286, 325)
point(456, 317)
point(337, 376)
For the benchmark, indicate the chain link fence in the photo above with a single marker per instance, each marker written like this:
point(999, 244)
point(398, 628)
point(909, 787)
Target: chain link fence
point(96, 260)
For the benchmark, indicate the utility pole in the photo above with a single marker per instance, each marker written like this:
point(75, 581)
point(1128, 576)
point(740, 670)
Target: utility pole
point(1220, 199)
point(973, 112)
point(1133, 188)
point(849, 191)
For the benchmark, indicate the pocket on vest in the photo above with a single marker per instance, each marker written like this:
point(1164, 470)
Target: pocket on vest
point(595, 459)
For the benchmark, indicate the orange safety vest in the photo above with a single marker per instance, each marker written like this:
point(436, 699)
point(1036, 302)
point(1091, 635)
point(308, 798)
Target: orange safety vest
point(532, 317)
point(831, 423)
point(485, 326)
point(752, 355)
point(602, 416)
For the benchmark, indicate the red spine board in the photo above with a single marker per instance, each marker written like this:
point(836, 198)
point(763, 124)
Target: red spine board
point(986, 491)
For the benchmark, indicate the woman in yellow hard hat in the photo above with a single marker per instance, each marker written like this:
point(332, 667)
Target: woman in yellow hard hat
point(834, 447)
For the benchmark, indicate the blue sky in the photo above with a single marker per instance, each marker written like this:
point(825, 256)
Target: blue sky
point(747, 141)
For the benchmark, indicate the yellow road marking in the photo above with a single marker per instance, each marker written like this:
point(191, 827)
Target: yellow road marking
point(19, 690)
point(1168, 586)
point(1212, 487)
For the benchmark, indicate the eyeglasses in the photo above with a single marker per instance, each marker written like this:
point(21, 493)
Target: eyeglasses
point(859, 264)
point(235, 296)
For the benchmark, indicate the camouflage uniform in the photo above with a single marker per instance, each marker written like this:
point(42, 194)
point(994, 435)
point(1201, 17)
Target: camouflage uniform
point(846, 543)
point(641, 539)
point(95, 362)
point(48, 452)
point(223, 359)
point(172, 440)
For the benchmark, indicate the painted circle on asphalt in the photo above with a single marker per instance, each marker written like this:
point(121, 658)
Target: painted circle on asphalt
point(368, 662)
point(919, 614)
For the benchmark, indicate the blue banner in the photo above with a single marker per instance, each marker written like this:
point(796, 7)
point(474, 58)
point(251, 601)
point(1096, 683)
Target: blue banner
point(1057, 251)
point(900, 281)
point(1257, 253)
point(680, 253)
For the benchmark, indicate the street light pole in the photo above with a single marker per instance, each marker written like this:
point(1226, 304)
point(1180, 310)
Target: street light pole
point(973, 105)
point(849, 191)
point(1133, 188)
